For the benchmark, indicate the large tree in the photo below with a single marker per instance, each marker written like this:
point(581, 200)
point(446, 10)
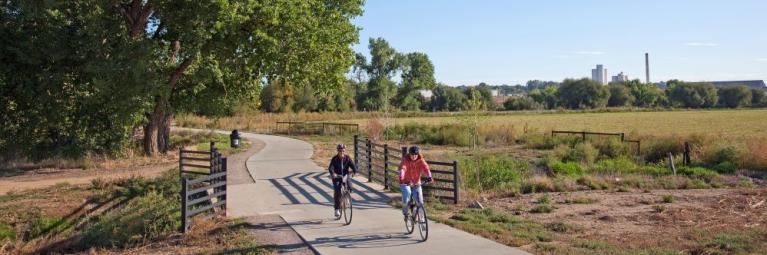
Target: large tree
point(734, 97)
point(583, 93)
point(692, 95)
point(385, 62)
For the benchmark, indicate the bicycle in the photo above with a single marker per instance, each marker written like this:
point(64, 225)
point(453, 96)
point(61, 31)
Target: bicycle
point(346, 201)
point(417, 214)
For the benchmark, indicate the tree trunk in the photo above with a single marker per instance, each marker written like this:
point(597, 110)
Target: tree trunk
point(151, 146)
point(163, 133)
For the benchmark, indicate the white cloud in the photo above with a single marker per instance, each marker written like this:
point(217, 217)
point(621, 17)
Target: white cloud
point(760, 59)
point(586, 52)
point(701, 44)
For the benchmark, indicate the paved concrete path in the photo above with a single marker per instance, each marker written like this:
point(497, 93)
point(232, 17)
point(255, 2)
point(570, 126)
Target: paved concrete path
point(289, 183)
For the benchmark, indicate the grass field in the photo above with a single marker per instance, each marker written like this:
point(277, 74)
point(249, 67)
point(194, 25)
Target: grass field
point(725, 123)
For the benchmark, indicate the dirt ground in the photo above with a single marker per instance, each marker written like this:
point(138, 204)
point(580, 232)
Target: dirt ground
point(639, 219)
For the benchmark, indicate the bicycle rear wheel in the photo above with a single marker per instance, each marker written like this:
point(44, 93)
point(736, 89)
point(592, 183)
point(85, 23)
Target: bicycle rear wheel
point(347, 207)
point(422, 222)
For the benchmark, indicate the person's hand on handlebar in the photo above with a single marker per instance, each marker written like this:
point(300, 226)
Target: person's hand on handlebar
point(429, 180)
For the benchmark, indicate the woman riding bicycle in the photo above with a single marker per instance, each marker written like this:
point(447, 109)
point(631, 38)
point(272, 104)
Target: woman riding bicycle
point(410, 171)
point(339, 169)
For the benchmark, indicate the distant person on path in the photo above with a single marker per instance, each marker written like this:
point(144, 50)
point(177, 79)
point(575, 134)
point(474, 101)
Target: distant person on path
point(339, 171)
point(410, 171)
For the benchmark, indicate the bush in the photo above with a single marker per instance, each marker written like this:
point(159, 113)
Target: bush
point(582, 152)
point(47, 225)
point(542, 208)
point(696, 171)
point(725, 167)
point(611, 148)
point(727, 154)
point(495, 171)
point(570, 169)
point(658, 149)
point(538, 184)
point(593, 183)
point(668, 198)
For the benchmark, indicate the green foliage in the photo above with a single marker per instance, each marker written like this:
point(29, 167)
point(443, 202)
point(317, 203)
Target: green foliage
point(722, 155)
point(7, 232)
point(620, 95)
point(618, 165)
point(736, 242)
point(569, 169)
point(758, 97)
point(542, 208)
point(546, 96)
point(521, 103)
point(657, 150)
point(145, 218)
point(47, 225)
point(581, 152)
point(481, 98)
point(696, 171)
point(545, 199)
point(514, 230)
point(611, 147)
point(734, 97)
point(495, 171)
point(668, 198)
point(593, 183)
point(580, 200)
point(447, 98)
point(583, 93)
point(692, 95)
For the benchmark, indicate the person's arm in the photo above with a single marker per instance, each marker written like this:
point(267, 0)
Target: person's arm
point(425, 168)
point(402, 169)
point(352, 165)
point(330, 168)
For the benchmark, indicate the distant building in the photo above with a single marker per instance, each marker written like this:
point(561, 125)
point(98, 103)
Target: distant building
point(426, 94)
point(620, 77)
point(495, 92)
point(599, 74)
point(752, 84)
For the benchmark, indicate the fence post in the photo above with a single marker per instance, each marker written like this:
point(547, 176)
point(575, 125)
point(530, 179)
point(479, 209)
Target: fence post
point(180, 163)
point(184, 197)
point(386, 166)
point(456, 180)
point(223, 188)
point(370, 159)
point(623, 136)
point(356, 150)
point(686, 158)
point(583, 133)
point(671, 162)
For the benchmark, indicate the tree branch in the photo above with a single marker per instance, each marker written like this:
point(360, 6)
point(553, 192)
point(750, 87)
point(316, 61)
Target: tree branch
point(176, 75)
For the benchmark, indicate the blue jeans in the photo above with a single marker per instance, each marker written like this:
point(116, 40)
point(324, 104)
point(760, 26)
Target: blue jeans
point(406, 191)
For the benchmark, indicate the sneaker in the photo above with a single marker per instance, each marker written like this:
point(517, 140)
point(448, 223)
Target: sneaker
point(338, 213)
point(406, 214)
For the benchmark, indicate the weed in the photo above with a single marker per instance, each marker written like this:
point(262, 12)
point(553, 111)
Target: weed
point(6, 232)
point(570, 169)
point(591, 244)
point(542, 208)
point(668, 198)
point(545, 199)
point(659, 208)
point(537, 184)
point(501, 226)
point(580, 200)
point(593, 183)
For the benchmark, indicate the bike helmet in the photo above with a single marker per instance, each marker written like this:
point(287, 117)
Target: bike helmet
point(414, 150)
point(340, 146)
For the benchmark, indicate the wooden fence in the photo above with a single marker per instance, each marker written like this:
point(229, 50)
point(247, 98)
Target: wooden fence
point(202, 190)
point(319, 128)
point(381, 162)
point(583, 134)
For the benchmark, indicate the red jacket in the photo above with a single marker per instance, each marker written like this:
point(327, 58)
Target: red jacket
point(411, 170)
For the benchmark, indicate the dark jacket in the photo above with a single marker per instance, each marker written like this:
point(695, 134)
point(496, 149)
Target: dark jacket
point(342, 165)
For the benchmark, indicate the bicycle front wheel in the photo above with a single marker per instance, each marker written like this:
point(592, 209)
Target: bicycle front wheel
point(422, 222)
point(347, 201)
point(409, 220)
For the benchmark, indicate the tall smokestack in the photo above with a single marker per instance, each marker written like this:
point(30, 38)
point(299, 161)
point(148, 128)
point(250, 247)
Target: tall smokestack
point(647, 66)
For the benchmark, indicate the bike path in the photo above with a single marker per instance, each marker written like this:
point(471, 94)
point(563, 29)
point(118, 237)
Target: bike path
point(289, 183)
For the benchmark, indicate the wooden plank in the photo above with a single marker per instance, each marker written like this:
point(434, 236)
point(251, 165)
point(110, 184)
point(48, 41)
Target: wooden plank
point(205, 208)
point(206, 198)
point(438, 188)
point(439, 163)
point(195, 165)
point(216, 185)
point(196, 152)
point(442, 180)
point(207, 178)
point(442, 172)
point(196, 159)
point(195, 172)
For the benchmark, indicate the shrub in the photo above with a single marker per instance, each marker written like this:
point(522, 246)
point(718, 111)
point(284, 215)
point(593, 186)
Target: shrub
point(593, 183)
point(544, 142)
point(611, 148)
point(582, 152)
point(495, 171)
point(658, 149)
point(570, 169)
point(725, 167)
point(47, 225)
point(668, 198)
point(580, 200)
point(545, 199)
point(538, 184)
point(542, 208)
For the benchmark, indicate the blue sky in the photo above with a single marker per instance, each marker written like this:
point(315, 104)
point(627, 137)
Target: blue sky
point(514, 41)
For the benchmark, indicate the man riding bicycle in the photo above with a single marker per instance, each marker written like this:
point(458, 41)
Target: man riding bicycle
point(410, 170)
point(339, 170)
